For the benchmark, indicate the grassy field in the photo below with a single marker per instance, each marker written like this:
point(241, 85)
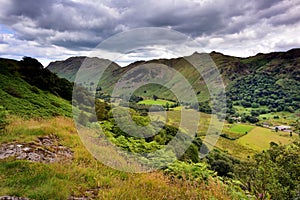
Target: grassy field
point(284, 118)
point(259, 138)
point(280, 117)
point(241, 128)
point(233, 148)
point(256, 140)
point(160, 102)
point(241, 109)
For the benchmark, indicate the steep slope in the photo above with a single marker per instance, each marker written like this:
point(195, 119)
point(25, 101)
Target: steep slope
point(273, 82)
point(28, 90)
point(68, 68)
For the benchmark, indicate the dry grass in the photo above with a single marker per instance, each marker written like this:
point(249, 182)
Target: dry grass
point(61, 180)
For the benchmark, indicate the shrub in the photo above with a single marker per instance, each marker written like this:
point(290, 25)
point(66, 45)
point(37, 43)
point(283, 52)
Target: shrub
point(3, 121)
point(13, 92)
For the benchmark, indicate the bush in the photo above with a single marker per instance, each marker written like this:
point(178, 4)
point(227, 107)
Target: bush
point(35, 90)
point(189, 171)
point(222, 167)
point(3, 121)
point(13, 92)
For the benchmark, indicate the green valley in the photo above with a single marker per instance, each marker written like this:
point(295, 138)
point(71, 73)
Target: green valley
point(42, 153)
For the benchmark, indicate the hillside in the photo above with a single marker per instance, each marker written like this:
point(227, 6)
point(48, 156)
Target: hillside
point(280, 65)
point(42, 156)
point(45, 158)
point(29, 90)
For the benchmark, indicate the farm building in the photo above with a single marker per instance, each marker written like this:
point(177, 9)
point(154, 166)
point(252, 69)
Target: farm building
point(283, 128)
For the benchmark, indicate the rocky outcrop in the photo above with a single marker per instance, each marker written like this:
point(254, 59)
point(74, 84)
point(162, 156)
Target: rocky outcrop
point(12, 198)
point(45, 150)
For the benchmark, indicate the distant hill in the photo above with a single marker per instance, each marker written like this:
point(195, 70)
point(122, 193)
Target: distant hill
point(29, 90)
point(278, 65)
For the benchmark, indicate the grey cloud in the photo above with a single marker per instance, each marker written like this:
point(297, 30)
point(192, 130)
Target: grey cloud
point(264, 4)
point(77, 25)
point(29, 8)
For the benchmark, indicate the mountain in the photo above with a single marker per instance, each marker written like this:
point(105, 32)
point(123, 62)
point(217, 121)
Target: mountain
point(279, 65)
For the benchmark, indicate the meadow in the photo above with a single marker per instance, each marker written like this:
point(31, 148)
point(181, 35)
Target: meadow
point(259, 138)
point(160, 102)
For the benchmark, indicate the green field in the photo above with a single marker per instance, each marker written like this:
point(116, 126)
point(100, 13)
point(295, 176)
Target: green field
point(241, 128)
point(259, 138)
point(235, 131)
point(160, 102)
point(256, 139)
point(284, 118)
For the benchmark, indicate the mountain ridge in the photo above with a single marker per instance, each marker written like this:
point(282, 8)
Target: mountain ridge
point(278, 64)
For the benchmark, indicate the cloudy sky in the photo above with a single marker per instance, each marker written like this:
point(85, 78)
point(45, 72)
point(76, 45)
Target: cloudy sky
point(57, 29)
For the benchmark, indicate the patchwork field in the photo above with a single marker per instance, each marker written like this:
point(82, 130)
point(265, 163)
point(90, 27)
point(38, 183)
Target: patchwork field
point(259, 138)
point(256, 139)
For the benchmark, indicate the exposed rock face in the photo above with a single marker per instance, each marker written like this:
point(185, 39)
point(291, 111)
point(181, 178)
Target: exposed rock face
point(46, 150)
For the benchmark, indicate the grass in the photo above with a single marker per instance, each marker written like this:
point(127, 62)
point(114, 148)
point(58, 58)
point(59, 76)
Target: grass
point(284, 118)
point(160, 102)
point(256, 140)
point(62, 180)
point(20, 98)
point(259, 138)
point(241, 128)
point(233, 148)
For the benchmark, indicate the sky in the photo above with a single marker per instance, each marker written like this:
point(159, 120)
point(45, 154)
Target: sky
point(57, 29)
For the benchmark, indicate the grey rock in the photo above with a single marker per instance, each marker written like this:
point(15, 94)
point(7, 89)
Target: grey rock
point(12, 198)
point(46, 150)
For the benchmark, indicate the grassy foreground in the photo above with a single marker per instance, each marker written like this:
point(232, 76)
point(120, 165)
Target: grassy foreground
point(85, 176)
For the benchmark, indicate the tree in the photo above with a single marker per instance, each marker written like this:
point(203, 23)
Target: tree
point(167, 106)
point(274, 173)
point(222, 167)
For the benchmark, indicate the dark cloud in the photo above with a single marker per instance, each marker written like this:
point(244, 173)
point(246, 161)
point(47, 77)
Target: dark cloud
point(84, 24)
point(29, 8)
point(265, 4)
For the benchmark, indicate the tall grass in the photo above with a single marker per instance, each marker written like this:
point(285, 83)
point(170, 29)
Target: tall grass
point(86, 176)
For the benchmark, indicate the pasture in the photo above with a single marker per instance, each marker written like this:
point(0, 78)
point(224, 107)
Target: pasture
point(160, 102)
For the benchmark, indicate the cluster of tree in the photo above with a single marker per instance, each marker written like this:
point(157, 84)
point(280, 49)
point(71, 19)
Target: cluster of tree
point(258, 90)
point(273, 173)
point(200, 106)
point(34, 73)
point(130, 137)
point(101, 95)
point(221, 163)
